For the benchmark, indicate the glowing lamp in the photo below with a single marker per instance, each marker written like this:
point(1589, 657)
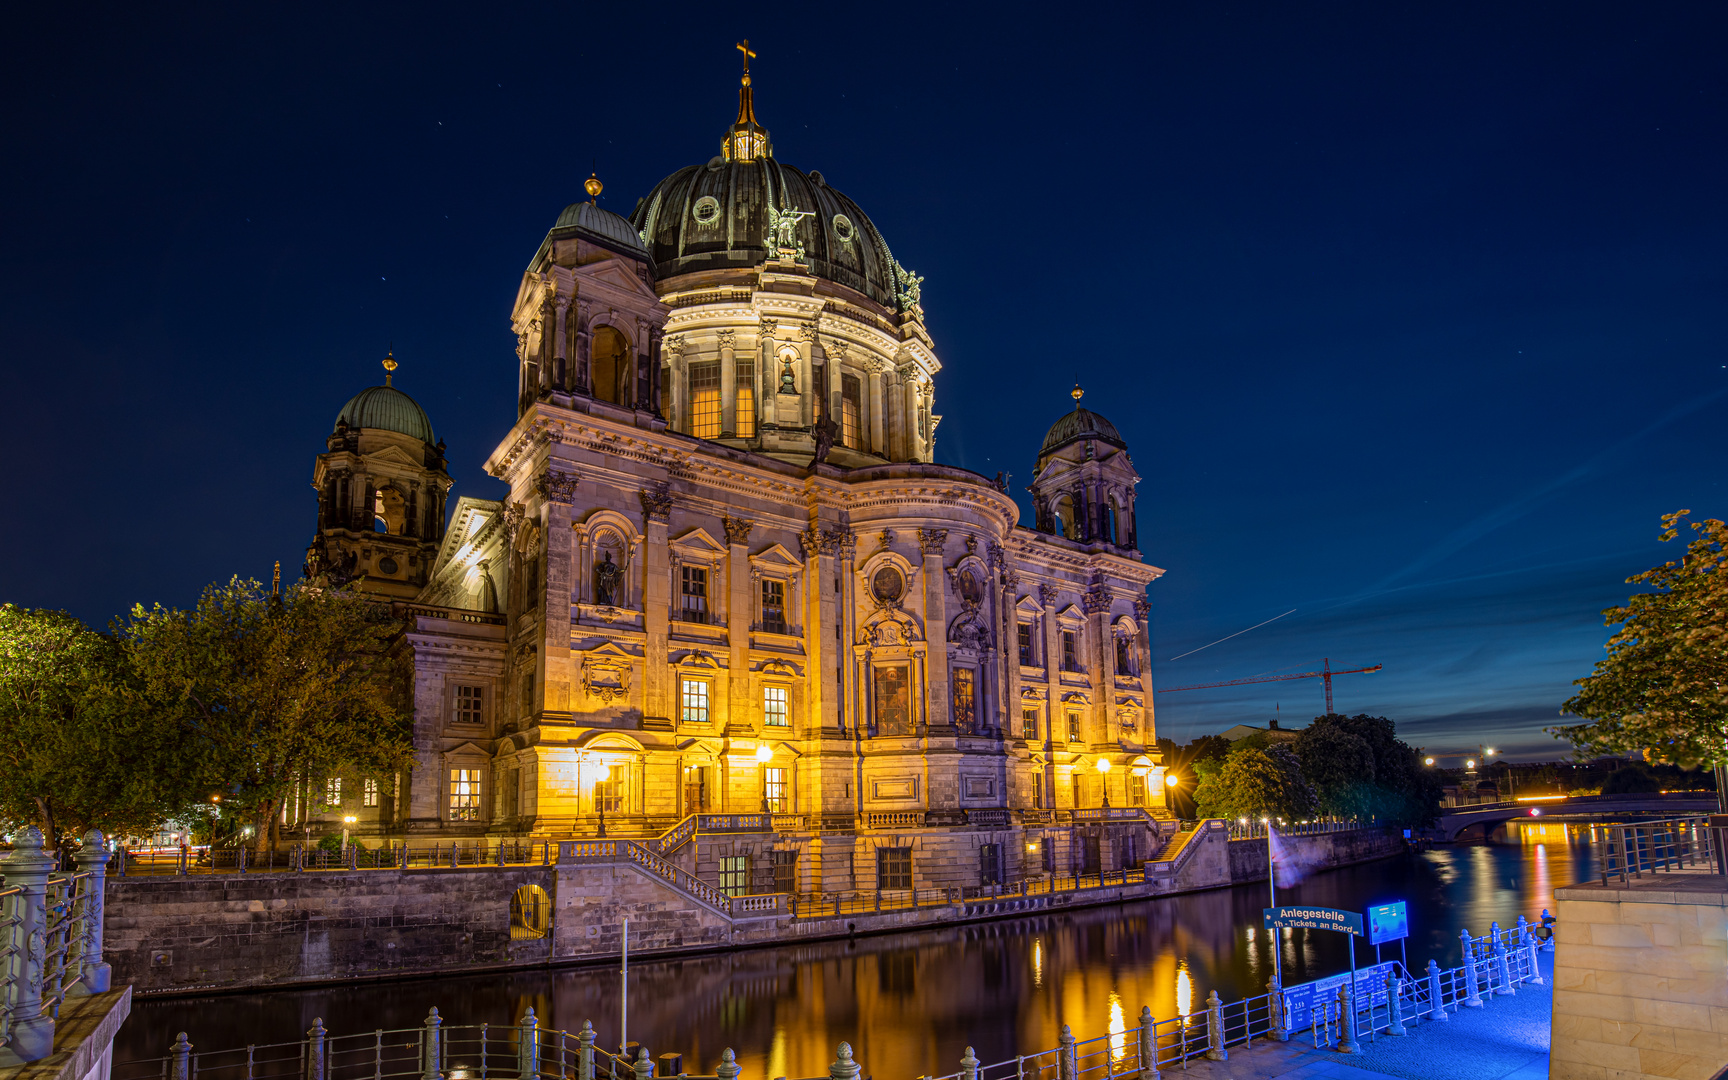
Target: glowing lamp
point(1535, 811)
point(764, 751)
point(1103, 765)
point(1172, 780)
point(1469, 763)
point(603, 771)
point(350, 819)
point(1428, 761)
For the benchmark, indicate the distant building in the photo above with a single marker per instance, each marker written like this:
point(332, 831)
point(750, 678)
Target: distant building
point(1272, 731)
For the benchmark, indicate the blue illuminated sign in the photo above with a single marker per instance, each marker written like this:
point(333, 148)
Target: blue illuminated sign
point(1388, 922)
point(1314, 918)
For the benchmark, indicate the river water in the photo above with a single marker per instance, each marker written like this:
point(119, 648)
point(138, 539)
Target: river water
point(911, 1003)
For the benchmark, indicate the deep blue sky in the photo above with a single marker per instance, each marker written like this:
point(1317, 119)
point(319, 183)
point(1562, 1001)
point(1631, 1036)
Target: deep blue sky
point(1412, 315)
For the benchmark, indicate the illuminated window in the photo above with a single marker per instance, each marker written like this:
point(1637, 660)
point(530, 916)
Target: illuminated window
point(468, 705)
point(705, 399)
point(1073, 728)
point(774, 607)
point(1029, 724)
point(774, 791)
point(609, 793)
point(734, 874)
point(850, 411)
point(965, 701)
point(774, 712)
point(369, 793)
point(744, 405)
point(694, 696)
point(464, 794)
point(894, 868)
point(1025, 644)
point(1136, 792)
point(785, 870)
point(1070, 652)
point(693, 596)
point(333, 791)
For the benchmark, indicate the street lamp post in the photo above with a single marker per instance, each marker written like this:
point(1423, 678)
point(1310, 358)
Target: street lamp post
point(347, 822)
point(1104, 780)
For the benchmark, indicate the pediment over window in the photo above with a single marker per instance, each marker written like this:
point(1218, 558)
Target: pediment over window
point(775, 559)
point(698, 546)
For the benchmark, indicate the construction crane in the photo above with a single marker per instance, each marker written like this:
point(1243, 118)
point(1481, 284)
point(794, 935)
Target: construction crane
point(1325, 673)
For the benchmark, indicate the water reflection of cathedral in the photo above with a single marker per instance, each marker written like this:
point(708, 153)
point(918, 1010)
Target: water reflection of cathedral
point(729, 576)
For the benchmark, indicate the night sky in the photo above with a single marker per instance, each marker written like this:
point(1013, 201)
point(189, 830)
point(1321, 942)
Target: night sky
point(1412, 315)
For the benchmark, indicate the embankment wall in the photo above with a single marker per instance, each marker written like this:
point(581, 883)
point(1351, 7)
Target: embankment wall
point(1325, 851)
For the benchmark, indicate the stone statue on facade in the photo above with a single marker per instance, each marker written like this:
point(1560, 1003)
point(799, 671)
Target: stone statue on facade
point(608, 576)
point(825, 431)
point(783, 231)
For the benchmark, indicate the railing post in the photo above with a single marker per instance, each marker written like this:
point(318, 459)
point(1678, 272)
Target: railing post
point(643, 1066)
point(92, 859)
point(1066, 1066)
point(969, 1065)
point(1395, 1006)
point(1472, 1000)
point(844, 1068)
point(728, 1069)
point(1505, 989)
point(528, 1045)
point(1436, 1003)
point(315, 1036)
point(431, 1057)
point(1549, 947)
point(1532, 947)
point(182, 1051)
point(1346, 1021)
point(1215, 1029)
point(585, 1053)
point(1148, 1044)
point(21, 965)
point(1279, 1014)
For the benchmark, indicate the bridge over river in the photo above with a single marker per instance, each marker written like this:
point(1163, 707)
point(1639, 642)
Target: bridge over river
point(1458, 820)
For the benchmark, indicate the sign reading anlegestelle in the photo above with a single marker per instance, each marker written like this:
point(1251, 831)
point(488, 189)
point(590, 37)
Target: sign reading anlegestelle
point(1313, 918)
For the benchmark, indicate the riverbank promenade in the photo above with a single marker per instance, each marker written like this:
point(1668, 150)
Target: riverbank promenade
point(1507, 1039)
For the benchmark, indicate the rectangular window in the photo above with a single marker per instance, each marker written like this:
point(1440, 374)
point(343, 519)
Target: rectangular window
point(369, 792)
point(693, 694)
point(774, 607)
point(892, 692)
point(705, 399)
point(851, 412)
point(1025, 644)
point(1074, 779)
point(1038, 789)
point(1029, 724)
point(609, 793)
point(965, 701)
point(894, 868)
point(464, 794)
point(990, 864)
point(1073, 726)
point(785, 870)
point(333, 791)
point(774, 712)
point(734, 874)
point(695, 789)
point(693, 594)
point(1136, 790)
point(744, 404)
point(468, 705)
point(774, 791)
point(1070, 652)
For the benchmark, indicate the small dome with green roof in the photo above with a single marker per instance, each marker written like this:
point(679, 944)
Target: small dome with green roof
point(385, 408)
point(1077, 425)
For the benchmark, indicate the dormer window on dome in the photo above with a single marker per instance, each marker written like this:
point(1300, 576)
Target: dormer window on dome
point(746, 140)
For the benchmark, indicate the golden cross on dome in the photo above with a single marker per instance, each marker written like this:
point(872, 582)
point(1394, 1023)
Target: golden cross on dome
point(744, 47)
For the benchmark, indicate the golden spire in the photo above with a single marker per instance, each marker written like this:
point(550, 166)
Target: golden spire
point(1076, 394)
point(747, 140)
point(593, 186)
point(389, 365)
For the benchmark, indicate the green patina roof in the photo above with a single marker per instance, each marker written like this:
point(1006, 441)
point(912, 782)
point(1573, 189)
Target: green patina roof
point(389, 409)
point(1077, 425)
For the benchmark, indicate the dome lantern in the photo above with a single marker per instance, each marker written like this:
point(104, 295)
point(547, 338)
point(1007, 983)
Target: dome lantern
point(746, 140)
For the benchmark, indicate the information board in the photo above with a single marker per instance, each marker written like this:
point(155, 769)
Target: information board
point(1371, 988)
point(1388, 922)
point(1314, 918)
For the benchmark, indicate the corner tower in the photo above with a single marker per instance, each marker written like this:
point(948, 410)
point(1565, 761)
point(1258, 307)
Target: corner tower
point(381, 485)
point(1083, 485)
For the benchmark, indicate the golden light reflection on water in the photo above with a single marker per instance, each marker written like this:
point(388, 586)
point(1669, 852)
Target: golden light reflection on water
point(1037, 961)
point(1118, 1029)
point(1184, 990)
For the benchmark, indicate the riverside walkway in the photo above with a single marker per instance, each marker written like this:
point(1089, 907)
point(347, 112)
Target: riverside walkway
point(1507, 1039)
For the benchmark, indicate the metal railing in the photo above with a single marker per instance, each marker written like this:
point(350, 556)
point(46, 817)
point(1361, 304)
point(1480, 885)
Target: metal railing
point(394, 855)
point(50, 939)
point(1633, 849)
point(1256, 830)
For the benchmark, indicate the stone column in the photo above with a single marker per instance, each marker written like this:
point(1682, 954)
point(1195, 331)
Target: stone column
point(874, 395)
point(656, 595)
point(26, 868)
point(908, 407)
point(560, 374)
point(740, 613)
point(584, 381)
point(1102, 676)
point(931, 543)
point(557, 486)
point(1053, 712)
point(728, 386)
point(93, 859)
point(1143, 657)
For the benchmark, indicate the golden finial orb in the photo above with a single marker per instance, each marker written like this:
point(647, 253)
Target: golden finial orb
point(389, 366)
point(593, 186)
point(1077, 393)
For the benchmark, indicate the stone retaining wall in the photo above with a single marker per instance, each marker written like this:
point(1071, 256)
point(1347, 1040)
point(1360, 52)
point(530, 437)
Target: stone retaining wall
point(1323, 851)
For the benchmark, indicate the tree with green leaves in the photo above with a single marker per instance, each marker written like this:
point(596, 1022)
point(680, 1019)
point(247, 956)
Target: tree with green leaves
point(1255, 782)
point(1663, 687)
point(81, 746)
point(1362, 770)
point(281, 690)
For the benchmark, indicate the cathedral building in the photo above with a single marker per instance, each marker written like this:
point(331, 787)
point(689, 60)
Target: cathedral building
point(731, 594)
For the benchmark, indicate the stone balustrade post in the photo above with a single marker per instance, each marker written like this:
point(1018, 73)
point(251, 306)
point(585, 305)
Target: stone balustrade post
point(1148, 1044)
point(643, 1066)
point(1472, 1000)
point(528, 1045)
point(969, 1065)
point(1277, 1013)
point(431, 1047)
point(585, 1053)
point(95, 975)
point(1436, 1003)
point(1346, 1021)
point(1395, 1005)
point(1505, 989)
point(1215, 1050)
point(1531, 948)
point(1066, 1066)
point(26, 933)
point(844, 1068)
point(181, 1052)
point(728, 1069)
point(315, 1037)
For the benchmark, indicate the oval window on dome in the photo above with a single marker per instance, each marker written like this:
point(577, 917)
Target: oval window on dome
point(706, 211)
point(887, 585)
point(843, 228)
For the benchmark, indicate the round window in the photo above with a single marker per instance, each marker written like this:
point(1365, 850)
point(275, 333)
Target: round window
point(706, 211)
point(387, 565)
point(887, 584)
point(843, 228)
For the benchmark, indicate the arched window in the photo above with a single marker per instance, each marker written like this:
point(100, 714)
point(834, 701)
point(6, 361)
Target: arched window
point(1107, 522)
point(1062, 514)
point(610, 354)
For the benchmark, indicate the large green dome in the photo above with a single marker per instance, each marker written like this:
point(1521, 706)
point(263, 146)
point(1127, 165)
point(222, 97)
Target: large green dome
point(1077, 425)
point(389, 409)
